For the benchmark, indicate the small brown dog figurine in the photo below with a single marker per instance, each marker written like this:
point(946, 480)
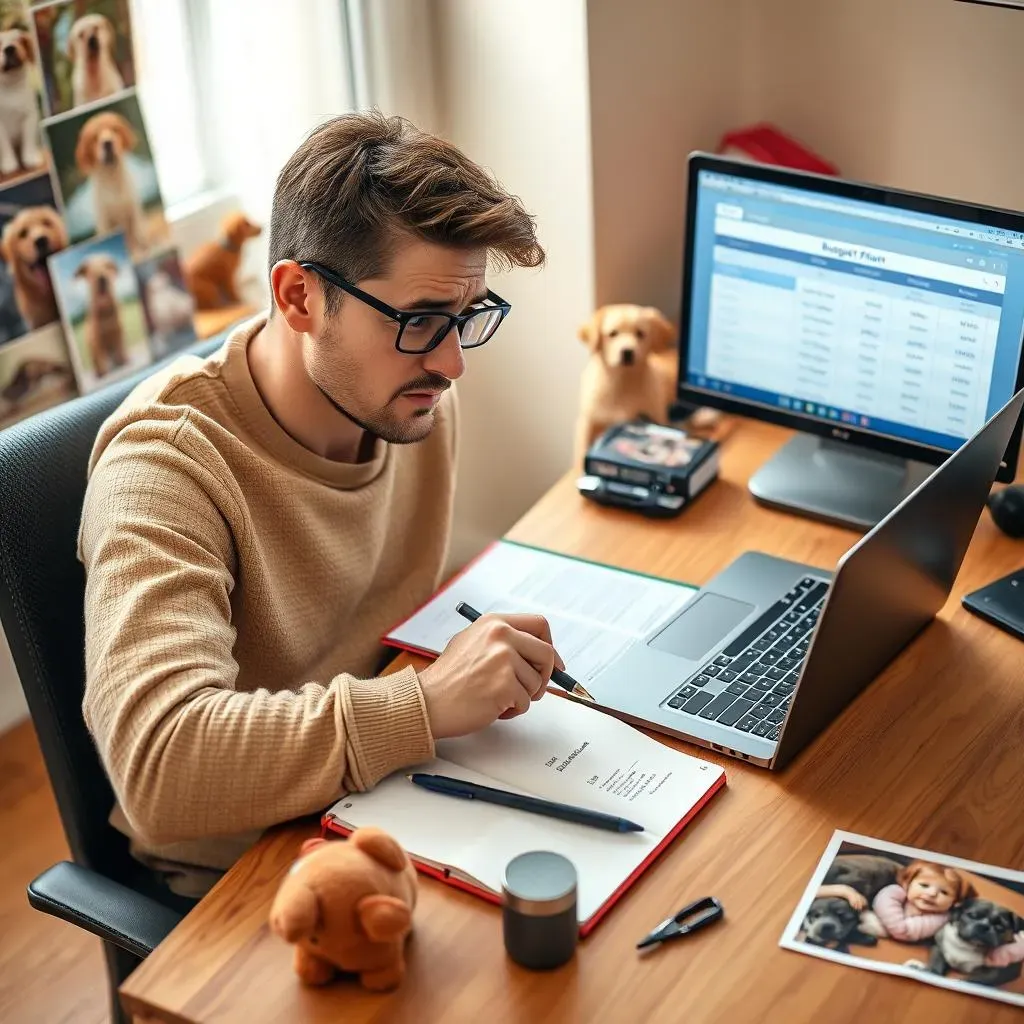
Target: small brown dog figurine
point(631, 371)
point(347, 906)
point(211, 270)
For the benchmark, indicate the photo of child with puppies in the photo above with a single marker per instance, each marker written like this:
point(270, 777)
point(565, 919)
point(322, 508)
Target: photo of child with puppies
point(921, 915)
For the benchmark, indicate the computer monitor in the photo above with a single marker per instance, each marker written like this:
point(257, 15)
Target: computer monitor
point(883, 325)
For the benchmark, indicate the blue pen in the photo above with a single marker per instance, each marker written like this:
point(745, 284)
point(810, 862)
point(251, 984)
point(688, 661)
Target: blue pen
point(473, 791)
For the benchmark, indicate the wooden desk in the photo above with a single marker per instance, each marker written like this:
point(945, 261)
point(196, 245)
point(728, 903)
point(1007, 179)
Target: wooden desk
point(931, 755)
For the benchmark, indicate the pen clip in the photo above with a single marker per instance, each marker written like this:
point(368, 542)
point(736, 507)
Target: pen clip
point(691, 918)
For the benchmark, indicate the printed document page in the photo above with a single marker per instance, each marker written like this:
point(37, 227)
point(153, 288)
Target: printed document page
point(559, 750)
point(594, 611)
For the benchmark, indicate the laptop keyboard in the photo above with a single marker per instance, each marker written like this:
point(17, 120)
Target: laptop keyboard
point(749, 684)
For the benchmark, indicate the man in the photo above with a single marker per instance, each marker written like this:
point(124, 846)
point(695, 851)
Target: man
point(254, 523)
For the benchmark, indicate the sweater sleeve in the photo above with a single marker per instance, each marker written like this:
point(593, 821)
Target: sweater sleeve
point(1010, 953)
point(890, 906)
point(188, 752)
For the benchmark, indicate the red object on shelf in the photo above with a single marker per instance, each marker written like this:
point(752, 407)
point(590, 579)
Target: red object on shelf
point(764, 143)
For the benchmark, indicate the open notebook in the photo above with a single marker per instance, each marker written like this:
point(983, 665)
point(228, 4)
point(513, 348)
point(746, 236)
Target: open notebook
point(595, 611)
point(559, 750)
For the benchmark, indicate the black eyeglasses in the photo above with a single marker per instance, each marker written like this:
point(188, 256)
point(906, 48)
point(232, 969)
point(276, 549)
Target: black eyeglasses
point(420, 331)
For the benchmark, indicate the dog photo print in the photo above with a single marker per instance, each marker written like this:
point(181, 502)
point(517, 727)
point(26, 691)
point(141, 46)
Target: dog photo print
point(898, 910)
point(31, 230)
point(35, 373)
point(166, 303)
point(86, 51)
point(21, 87)
point(107, 177)
point(98, 295)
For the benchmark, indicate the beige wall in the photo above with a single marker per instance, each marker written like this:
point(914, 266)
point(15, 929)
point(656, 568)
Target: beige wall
point(920, 94)
point(666, 77)
point(512, 92)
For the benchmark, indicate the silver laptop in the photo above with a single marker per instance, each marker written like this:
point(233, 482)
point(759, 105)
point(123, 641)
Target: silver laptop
point(769, 652)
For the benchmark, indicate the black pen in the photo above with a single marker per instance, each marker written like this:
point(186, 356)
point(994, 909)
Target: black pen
point(563, 679)
point(566, 812)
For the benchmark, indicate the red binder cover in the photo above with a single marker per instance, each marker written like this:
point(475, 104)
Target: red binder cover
point(331, 827)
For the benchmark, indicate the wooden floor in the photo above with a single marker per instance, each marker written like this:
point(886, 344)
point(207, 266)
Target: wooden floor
point(50, 972)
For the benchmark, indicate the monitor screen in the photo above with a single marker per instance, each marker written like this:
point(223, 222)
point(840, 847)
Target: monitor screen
point(897, 322)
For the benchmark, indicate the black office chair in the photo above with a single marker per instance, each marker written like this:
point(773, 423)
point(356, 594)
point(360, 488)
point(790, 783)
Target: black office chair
point(43, 463)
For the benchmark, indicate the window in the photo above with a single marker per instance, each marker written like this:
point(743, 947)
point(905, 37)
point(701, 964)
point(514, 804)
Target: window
point(228, 90)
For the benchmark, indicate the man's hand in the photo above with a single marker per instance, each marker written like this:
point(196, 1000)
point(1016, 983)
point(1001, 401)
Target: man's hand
point(492, 669)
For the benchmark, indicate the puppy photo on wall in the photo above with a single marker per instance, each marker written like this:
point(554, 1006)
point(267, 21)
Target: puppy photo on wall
point(21, 149)
point(98, 295)
point(107, 177)
point(925, 916)
point(86, 51)
point(31, 230)
point(35, 373)
point(166, 302)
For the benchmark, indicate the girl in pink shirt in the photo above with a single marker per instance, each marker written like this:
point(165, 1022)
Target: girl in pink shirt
point(917, 905)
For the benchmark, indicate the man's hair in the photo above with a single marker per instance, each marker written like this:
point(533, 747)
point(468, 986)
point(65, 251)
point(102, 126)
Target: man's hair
point(360, 182)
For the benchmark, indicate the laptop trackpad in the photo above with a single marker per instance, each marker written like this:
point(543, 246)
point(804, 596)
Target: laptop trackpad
point(701, 625)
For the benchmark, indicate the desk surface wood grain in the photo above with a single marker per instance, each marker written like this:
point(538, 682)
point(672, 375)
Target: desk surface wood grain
point(930, 756)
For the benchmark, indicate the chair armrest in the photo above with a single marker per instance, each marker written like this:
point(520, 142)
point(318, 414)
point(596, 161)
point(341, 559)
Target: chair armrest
point(102, 906)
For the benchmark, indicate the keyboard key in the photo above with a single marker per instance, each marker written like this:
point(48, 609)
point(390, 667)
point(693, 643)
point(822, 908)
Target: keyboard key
point(813, 596)
point(700, 681)
point(776, 717)
point(774, 734)
point(787, 663)
point(770, 657)
point(727, 675)
point(791, 616)
point(747, 722)
point(763, 728)
point(750, 677)
point(736, 688)
point(774, 633)
point(785, 703)
point(785, 645)
point(764, 621)
point(735, 711)
point(772, 700)
point(743, 661)
point(687, 692)
point(717, 706)
point(761, 645)
point(763, 683)
point(723, 660)
point(711, 670)
point(678, 700)
point(775, 673)
point(783, 689)
point(696, 702)
point(760, 710)
point(808, 581)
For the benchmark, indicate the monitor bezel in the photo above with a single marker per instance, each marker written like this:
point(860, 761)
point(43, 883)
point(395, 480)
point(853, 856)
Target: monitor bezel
point(841, 188)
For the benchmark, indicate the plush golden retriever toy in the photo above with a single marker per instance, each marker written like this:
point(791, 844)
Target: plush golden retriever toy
point(347, 905)
point(631, 371)
point(211, 271)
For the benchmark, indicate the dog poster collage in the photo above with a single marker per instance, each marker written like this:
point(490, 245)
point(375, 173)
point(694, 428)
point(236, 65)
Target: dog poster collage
point(916, 914)
point(91, 285)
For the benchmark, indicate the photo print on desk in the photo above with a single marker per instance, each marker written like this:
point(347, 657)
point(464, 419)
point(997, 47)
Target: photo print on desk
point(31, 230)
point(22, 152)
point(107, 176)
point(98, 295)
point(35, 373)
point(86, 51)
point(924, 916)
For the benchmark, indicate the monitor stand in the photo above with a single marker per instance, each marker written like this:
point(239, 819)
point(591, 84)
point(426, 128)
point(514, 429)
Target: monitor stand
point(828, 480)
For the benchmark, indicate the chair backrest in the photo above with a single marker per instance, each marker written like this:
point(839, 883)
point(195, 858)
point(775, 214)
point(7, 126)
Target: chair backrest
point(43, 465)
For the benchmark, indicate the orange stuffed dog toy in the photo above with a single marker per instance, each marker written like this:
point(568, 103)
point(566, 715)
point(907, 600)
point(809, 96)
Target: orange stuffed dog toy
point(631, 371)
point(347, 906)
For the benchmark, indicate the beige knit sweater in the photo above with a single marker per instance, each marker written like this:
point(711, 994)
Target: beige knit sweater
point(237, 587)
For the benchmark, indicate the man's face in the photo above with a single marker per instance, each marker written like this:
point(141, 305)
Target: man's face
point(354, 360)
